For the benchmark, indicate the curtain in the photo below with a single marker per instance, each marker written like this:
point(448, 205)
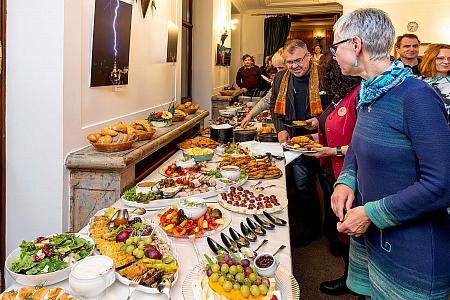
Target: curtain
point(276, 31)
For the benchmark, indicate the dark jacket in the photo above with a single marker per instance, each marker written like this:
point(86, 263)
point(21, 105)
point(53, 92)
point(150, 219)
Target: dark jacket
point(278, 120)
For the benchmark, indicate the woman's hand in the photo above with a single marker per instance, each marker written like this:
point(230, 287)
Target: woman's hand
point(355, 222)
point(313, 123)
point(342, 199)
point(283, 136)
point(322, 152)
point(246, 120)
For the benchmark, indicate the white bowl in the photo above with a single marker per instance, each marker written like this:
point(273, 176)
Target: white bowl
point(220, 149)
point(145, 187)
point(193, 207)
point(41, 279)
point(161, 124)
point(189, 162)
point(227, 112)
point(90, 277)
point(270, 270)
point(230, 172)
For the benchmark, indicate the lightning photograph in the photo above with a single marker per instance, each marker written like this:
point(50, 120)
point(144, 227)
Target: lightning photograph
point(111, 43)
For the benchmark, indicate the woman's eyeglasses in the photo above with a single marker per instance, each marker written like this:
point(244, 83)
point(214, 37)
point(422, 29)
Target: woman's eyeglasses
point(333, 48)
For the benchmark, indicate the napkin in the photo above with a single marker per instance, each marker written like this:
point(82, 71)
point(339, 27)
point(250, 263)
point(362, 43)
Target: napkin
point(289, 156)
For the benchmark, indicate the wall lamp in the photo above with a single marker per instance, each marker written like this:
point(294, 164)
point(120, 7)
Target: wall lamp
point(319, 37)
point(227, 29)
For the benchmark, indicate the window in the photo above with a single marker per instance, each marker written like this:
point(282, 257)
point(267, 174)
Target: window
point(186, 50)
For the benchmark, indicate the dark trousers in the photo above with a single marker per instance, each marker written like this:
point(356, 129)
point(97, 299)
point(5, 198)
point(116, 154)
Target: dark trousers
point(327, 180)
point(306, 201)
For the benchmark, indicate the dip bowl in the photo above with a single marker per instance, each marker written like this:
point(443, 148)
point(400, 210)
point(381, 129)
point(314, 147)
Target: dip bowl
point(231, 172)
point(193, 207)
point(266, 264)
point(90, 277)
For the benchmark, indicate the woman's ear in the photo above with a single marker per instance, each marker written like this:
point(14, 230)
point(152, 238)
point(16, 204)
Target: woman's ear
point(356, 44)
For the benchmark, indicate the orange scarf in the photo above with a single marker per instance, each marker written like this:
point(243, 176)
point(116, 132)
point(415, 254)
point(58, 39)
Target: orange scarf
point(314, 97)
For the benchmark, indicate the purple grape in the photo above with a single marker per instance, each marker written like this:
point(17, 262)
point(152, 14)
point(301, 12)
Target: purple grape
point(245, 263)
point(209, 272)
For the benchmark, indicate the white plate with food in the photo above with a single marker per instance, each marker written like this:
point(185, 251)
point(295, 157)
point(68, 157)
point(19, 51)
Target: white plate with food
point(35, 263)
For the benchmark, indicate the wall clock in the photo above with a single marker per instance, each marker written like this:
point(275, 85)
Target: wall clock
point(412, 26)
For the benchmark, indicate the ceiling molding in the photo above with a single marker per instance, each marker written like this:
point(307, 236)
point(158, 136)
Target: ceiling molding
point(299, 9)
point(240, 5)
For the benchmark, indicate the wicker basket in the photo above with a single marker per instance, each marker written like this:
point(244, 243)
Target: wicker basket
point(179, 118)
point(191, 110)
point(144, 136)
point(227, 92)
point(113, 147)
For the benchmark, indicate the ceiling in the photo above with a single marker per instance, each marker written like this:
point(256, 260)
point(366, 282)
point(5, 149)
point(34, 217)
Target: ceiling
point(285, 6)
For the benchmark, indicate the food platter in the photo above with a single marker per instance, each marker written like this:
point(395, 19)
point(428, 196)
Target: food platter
point(226, 218)
point(285, 282)
point(300, 150)
point(200, 142)
point(296, 124)
point(31, 292)
point(246, 202)
point(175, 171)
point(159, 262)
point(150, 290)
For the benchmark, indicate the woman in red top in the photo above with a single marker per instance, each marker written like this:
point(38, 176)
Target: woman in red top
point(335, 127)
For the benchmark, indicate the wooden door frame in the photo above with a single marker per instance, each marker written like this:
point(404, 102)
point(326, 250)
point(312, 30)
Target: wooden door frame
point(3, 145)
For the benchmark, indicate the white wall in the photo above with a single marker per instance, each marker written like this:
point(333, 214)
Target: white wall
point(34, 105)
point(209, 18)
point(432, 16)
point(51, 108)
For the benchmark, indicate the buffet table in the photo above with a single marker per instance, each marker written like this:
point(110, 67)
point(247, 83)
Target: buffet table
point(186, 254)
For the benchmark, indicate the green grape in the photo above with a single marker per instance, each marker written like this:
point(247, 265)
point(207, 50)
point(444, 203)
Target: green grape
point(230, 277)
point(247, 282)
point(252, 277)
point(228, 286)
point(239, 277)
point(254, 289)
point(129, 249)
point(128, 242)
point(263, 289)
point(240, 269)
point(232, 270)
point(141, 247)
point(236, 286)
point(148, 241)
point(136, 239)
point(136, 251)
point(224, 268)
point(222, 280)
point(141, 243)
point(214, 277)
point(140, 253)
point(215, 268)
point(245, 291)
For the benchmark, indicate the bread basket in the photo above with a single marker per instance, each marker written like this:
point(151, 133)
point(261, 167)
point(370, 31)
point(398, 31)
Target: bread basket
point(144, 136)
point(113, 147)
point(192, 109)
point(227, 92)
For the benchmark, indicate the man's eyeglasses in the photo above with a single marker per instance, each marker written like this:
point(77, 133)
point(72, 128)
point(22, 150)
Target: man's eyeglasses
point(441, 59)
point(333, 48)
point(298, 61)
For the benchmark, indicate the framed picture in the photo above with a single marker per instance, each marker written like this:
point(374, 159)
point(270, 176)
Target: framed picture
point(223, 57)
point(111, 43)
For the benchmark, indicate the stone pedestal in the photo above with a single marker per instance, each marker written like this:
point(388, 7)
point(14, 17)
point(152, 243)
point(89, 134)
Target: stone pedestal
point(98, 179)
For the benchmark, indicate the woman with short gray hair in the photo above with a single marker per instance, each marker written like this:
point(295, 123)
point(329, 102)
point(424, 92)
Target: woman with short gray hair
point(393, 191)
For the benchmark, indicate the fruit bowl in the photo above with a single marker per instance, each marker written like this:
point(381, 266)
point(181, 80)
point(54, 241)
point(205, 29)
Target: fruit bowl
point(193, 207)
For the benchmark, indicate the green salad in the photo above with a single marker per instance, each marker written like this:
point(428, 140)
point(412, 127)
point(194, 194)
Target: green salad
point(50, 254)
point(131, 195)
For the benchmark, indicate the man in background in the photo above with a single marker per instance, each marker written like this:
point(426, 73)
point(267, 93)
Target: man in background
point(407, 46)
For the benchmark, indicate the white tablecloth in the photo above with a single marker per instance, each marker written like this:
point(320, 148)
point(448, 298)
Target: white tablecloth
point(186, 253)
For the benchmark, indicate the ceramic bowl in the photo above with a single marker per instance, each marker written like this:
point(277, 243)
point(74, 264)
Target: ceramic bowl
point(145, 187)
point(90, 277)
point(193, 207)
point(266, 269)
point(186, 163)
point(230, 172)
point(41, 279)
point(199, 154)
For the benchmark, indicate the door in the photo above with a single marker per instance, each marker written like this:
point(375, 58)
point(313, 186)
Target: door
point(2, 143)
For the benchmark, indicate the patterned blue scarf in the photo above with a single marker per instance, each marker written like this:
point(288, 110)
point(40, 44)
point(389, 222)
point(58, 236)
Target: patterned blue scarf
point(377, 86)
